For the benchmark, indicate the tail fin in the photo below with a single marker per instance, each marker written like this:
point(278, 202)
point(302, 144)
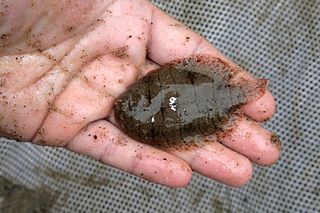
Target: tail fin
point(254, 89)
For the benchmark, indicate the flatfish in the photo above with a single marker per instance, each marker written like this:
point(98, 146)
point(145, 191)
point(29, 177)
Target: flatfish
point(183, 102)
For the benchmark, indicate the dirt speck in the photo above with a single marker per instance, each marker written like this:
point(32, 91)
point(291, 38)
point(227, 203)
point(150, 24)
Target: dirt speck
point(4, 36)
point(139, 156)
point(33, 41)
point(3, 81)
point(121, 52)
point(100, 20)
point(144, 19)
point(176, 25)
point(266, 119)
point(276, 140)
point(18, 198)
point(121, 141)
point(70, 29)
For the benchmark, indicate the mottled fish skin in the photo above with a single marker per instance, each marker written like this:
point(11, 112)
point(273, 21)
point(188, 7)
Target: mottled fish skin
point(182, 102)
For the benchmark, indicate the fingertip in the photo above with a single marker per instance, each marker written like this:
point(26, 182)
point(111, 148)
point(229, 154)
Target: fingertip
point(253, 141)
point(270, 151)
point(274, 153)
point(242, 174)
point(269, 160)
point(261, 109)
point(182, 176)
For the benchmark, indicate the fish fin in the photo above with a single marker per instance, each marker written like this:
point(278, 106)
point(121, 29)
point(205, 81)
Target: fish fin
point(254, 89)
point(207, 64)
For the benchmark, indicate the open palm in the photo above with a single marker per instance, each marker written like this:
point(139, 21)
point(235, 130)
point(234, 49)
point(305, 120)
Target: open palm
point(63, 63)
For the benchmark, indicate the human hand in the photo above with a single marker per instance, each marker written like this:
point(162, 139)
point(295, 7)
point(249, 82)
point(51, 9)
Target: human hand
point(63, 63)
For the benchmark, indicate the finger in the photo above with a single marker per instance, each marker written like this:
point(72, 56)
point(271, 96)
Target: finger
point(170, 40)
point(219, 163)
point(87, 98)
point(104, 142)
point(261, 109)
point(251, 140)
point(148, 67)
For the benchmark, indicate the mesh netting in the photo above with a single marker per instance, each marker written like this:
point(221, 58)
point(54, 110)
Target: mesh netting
point(279, 40)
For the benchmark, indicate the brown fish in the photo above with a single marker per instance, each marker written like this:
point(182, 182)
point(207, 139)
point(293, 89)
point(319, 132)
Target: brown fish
point(184, 101)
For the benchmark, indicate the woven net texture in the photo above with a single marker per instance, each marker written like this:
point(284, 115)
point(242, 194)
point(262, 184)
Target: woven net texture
point(279, 40)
